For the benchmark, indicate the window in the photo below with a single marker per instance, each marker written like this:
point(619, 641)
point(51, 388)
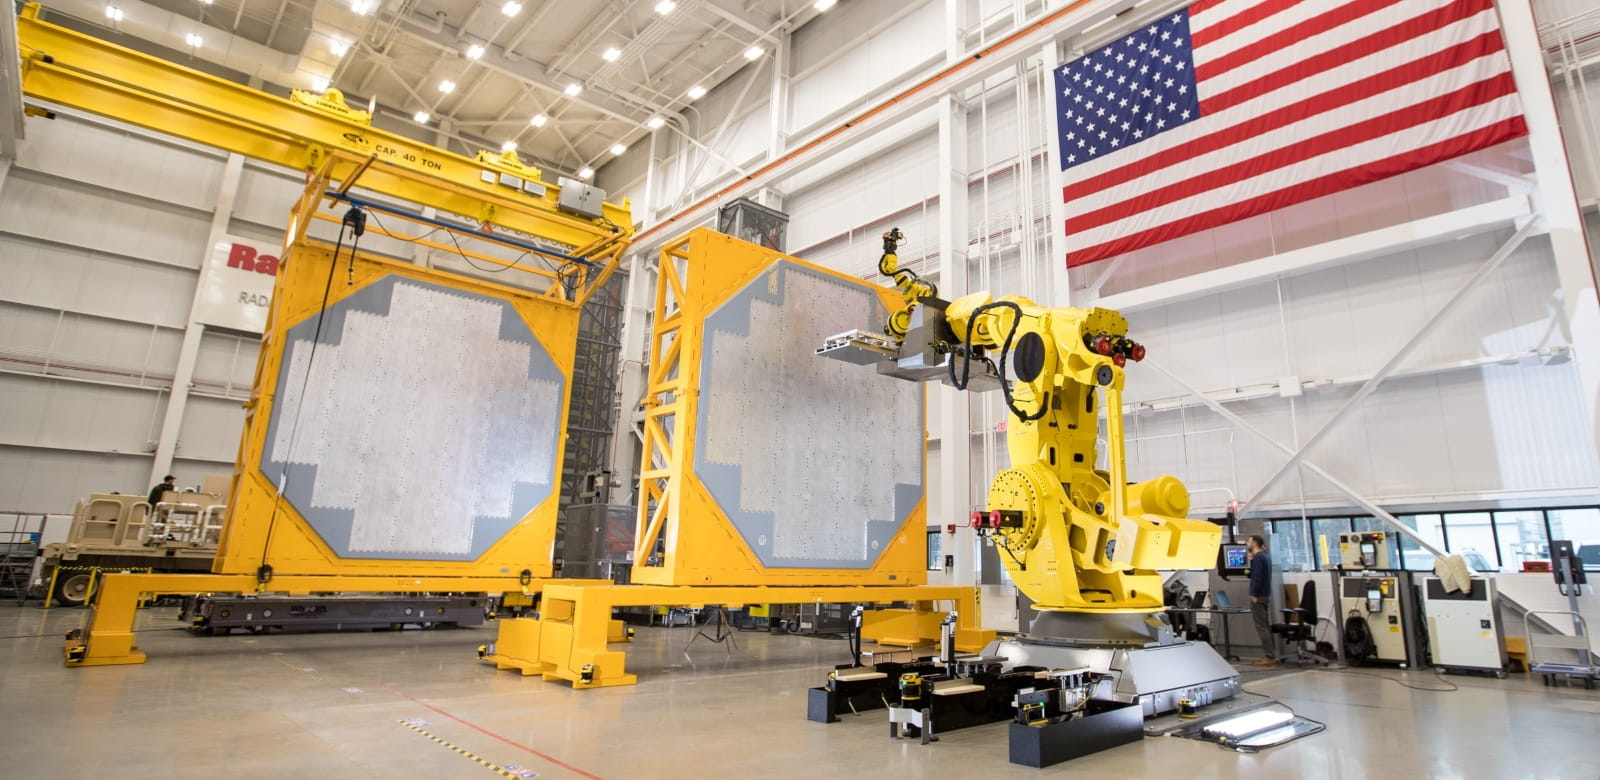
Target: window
point(1582, 527)
point(1429, 527)
point(1521, 538)
point(935, 550)
point(1472, 537)
point(1325, 537)
point(1290, 545)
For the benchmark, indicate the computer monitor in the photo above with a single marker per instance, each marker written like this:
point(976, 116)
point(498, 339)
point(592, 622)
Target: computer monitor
point(1233, 559)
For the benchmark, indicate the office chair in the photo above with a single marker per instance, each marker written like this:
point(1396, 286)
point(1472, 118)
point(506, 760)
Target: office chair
point(1303, 629)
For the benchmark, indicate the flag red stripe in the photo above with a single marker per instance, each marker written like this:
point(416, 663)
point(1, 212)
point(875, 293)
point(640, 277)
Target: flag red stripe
point(1203, 5)
point(1364, 173)
point(1414, 27)
point(1206, 68)
point(1377, 127)
point(1232, 24)
point(1226, 136)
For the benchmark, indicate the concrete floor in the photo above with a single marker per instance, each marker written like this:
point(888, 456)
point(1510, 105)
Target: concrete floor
point(332, 705)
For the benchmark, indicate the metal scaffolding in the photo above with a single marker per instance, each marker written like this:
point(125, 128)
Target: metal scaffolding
point(594, 401)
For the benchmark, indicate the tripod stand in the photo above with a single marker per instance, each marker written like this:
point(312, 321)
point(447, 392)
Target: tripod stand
point(721, 631)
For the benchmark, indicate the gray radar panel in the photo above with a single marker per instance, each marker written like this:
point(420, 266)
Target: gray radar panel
point(426, 429)
point(817, 462)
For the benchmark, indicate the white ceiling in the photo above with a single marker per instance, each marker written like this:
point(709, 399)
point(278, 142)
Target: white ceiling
point(402, 51)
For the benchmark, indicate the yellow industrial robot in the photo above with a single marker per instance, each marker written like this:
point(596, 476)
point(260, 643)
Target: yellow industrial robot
point(1078, 538)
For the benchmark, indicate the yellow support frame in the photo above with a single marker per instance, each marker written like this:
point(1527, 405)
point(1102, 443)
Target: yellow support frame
point(72, 69)
point(568, 641)
point(697, 273)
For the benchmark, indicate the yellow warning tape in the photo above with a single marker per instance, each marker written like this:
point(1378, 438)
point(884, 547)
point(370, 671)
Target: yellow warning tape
point(483, 762)
point(308, 673)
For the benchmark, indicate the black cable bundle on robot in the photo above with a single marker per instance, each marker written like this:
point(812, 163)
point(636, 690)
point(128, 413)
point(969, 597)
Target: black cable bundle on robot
point(1005, 353)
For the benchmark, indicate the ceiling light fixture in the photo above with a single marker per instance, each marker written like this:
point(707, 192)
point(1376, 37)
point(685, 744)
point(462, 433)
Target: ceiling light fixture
point(655, 123)
point(753, 53)
point(538, 120)
point(205, 2)
point(320, 84)
point(363, 7)
point(194, 40)
point(509, 146)
point(586, 173)
point(512, 8)
point(421, 116)
point(618, 148)
point(611, 54)
point(665, 7)
point(696, 92)
point(573, 89)
point(447, 86)
point(113, 13)
point(474, 51)
point(823, 5)
point(338, 46)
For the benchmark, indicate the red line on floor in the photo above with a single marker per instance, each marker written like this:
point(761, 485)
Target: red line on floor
point(475, 727)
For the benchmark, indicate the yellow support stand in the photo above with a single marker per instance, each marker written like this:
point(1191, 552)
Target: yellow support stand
point(569, 641)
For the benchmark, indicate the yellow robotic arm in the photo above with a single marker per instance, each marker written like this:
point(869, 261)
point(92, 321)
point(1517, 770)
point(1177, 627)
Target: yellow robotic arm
point(1074, 537)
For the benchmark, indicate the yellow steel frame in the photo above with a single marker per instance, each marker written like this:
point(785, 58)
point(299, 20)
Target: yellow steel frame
point(71, 69)
point(568, 640)
point(262, 529)
point(698, 272)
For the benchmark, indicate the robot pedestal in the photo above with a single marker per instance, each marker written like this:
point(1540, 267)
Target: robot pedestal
point(1142, 660)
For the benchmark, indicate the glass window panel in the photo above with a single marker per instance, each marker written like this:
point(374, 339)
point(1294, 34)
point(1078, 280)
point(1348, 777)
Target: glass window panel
point(935, 550)
point(1521, 538)
point(1290, 545)
point(1369, 523)
point(1472, 538)
point(1582, 527)
point(1429, 527)
point(1325, 531)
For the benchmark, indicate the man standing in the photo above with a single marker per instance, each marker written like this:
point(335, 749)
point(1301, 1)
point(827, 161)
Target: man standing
point(170, 483)
point(1261, 598)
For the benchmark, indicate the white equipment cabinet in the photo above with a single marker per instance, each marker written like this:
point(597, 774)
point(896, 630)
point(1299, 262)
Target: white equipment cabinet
point(1463, 630)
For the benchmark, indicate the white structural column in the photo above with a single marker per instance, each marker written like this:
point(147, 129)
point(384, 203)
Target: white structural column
point(1056, 244)
point(778, 102)
point(183, 375)
point(950, 418)
point(1557, 201)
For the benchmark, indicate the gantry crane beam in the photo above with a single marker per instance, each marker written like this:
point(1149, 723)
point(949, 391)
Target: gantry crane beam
point(68, 68)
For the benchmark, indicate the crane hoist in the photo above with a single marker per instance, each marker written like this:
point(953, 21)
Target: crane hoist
point(1080, 539)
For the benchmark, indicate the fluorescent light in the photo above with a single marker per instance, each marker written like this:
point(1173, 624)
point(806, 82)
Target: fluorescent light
point(1239, 727)
point(573, 89)
point(205, 2)
point(113, 13)
point(363, 7)
point(421, 116)
point(618, 148)
point(696, 92)
point(447, 86)
point(511, 8)
point(194, 40)
point(665, 7)
point(319, 84)
point(753, 53)
point(823, 5)
point(338, 46)
point(586, 173)
point(474, 51)
point(538, 120)
point(611, 54)
point(509, 146)
point(655, 123)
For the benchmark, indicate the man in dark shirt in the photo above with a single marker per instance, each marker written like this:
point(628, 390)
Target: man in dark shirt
point(170, 483)
point(1261, 598)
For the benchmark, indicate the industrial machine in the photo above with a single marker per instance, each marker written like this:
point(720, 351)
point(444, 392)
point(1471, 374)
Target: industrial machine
point(116, 532)
point(1369, 550)
point(1080, 539)
point(1373, 607)
point(1463, 630)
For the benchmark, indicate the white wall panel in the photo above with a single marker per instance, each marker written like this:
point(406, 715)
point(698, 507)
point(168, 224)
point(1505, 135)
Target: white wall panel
point(830, 78)
point(44, 480)
point(70, 279)
point(72, 415)
point(265, 196)
point(123, 160)
point(72, 213)
point(211, 429)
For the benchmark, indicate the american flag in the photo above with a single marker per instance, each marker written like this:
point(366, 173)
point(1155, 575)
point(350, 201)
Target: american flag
point(1232, 108)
